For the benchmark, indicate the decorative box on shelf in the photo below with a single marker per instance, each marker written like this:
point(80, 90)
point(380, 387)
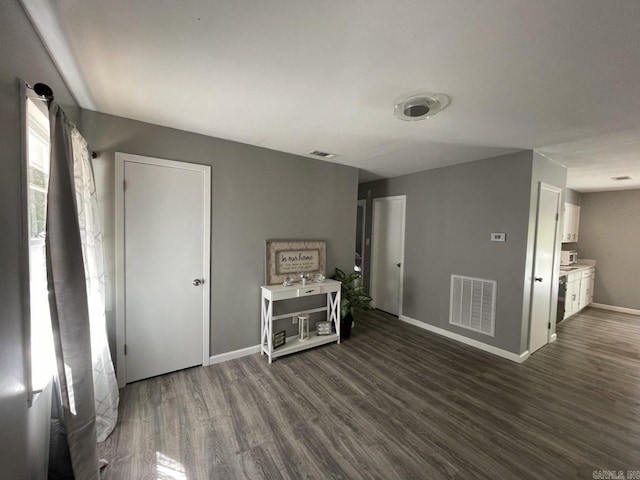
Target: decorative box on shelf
point(274, 293)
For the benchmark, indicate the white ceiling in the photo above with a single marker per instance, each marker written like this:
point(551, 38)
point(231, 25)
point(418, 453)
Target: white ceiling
point(297, 75)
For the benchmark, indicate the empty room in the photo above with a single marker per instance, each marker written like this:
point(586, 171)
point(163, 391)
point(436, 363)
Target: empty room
point(342, 239)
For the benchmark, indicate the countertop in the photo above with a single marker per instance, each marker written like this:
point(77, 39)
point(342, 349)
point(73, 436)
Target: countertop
point(583, 264)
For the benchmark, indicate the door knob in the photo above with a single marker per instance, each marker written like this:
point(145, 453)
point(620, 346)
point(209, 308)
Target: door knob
point(538, 279)
point(197, 282)
point(398, 265)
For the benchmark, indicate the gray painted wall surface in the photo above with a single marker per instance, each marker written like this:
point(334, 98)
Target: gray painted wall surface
point(257, 194)
point(23, 440)
point(610, 234)
point(13, 394)
point(546, 171)
point(450, 214)
point(572, 197)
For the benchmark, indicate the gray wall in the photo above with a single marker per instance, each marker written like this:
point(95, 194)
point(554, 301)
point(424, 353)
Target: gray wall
point(450, 214)
point(23, 440)
point(13, 394)
point(257, 194)
point(610, 234)
point(572, 197)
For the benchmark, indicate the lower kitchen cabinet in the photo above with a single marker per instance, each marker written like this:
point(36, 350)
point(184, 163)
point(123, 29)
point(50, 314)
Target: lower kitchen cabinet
point(586, 288)
point(579, 291)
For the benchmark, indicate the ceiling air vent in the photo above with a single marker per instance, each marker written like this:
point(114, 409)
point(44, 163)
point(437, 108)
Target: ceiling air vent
point(321, 154)
point(623, 177)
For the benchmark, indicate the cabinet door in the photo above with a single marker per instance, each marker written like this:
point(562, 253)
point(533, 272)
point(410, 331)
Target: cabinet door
point(586, 288)
point(575, 228)
point(571, 223)
point(566, 223)
point(572, 299)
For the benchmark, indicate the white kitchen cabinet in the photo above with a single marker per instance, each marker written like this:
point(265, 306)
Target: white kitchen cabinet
point(586, 288)
point(571, 224)
point(572, 298)
point(579, 292)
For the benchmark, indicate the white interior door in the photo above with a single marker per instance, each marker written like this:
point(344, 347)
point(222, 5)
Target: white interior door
point(387, 252)
point(165, 265)
point(543, 298)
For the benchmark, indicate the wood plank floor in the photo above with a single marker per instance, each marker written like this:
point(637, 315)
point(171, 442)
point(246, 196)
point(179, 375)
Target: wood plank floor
point(394, 401)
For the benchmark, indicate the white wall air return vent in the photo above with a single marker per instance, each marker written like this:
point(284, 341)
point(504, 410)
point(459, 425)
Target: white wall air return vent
point(473, 303)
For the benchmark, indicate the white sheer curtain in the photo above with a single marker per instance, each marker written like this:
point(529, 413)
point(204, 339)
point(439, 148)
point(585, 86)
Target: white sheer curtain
point(104, 379)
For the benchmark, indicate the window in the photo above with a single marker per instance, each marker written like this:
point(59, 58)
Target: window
point(38, 156)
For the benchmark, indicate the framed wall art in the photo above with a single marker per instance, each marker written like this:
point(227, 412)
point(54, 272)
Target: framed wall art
point(290, 258)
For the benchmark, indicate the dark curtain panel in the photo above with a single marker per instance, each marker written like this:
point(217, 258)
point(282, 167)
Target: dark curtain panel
point(68, 303)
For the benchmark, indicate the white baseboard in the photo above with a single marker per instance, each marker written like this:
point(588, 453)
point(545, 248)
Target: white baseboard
point(243, 352)
point(613, 308)
point(514, 357)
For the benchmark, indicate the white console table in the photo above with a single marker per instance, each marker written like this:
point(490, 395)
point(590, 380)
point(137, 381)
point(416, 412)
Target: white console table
point(274, 293)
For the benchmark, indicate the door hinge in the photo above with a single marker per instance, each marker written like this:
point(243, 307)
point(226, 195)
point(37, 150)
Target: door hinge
point(124, 185)
point(125, 348)
point(548, 326)
point(557, 217)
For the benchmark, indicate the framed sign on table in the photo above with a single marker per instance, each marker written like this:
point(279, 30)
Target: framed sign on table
point(290, 258)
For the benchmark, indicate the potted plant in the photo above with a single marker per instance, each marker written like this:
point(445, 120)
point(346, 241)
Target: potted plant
point(351, 297)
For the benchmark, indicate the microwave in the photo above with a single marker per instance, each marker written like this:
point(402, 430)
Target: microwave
point(568, 257)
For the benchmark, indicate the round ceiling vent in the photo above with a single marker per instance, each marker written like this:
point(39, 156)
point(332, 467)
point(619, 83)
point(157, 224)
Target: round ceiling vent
point(419, 107)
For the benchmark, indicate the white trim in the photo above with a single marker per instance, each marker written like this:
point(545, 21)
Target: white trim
point(121, 372)
point(363, 203)
point(45, 21)
point(121, 158)
point(403, 198)
point(613, 308)
point(554, 337)
point(243, 352)
point(514, 357)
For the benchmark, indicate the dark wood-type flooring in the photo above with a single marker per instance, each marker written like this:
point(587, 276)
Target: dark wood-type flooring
point(394, 401)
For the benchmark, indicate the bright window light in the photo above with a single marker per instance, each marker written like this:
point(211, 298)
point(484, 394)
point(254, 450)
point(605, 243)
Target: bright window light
point(169, 469)
point(38, 156)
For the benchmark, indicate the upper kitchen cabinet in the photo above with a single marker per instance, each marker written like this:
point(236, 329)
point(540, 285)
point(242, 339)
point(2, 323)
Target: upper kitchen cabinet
point(571, 223)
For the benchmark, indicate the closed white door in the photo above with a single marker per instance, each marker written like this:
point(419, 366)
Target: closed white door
point(166, 267)
point(387, 252)
point(545, 280)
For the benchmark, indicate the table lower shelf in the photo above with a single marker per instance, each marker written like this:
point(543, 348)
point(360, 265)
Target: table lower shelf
point(294, 344)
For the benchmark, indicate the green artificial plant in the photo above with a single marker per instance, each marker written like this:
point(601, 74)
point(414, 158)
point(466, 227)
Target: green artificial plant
point(352, 297)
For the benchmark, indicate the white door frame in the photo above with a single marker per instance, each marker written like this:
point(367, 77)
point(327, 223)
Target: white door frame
point(121, 158)
point(374, 244)
point(551, 334)
point(363, 203)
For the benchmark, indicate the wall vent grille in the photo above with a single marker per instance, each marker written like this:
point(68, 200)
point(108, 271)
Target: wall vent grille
point(473, 304)
point(321, 154)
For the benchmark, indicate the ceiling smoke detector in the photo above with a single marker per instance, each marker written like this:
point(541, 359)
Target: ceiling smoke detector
point(321, 154)
point(419, 107)
point(623, 177)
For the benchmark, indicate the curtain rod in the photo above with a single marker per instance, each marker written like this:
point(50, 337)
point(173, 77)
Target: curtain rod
point(45, 93)
point(42, 90)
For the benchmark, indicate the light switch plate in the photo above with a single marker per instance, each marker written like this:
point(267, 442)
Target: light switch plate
point(498, 237)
